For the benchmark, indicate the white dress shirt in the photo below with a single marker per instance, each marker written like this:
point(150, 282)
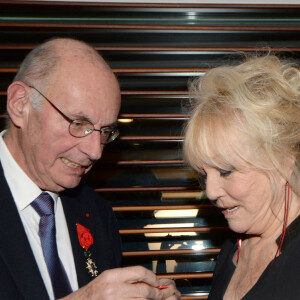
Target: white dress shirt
point(24, 191)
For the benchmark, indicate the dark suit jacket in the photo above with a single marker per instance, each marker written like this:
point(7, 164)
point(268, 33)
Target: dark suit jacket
point(19, 274)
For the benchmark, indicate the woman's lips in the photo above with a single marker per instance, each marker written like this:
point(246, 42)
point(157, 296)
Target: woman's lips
point(229, 210)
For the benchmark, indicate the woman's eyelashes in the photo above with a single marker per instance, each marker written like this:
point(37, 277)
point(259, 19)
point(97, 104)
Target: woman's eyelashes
point(225, 173)
point(202, 180)
point(203, 175)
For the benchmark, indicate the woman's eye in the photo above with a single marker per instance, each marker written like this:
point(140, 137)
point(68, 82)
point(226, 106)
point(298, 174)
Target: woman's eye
point(224, 173)
point(203, 176)
point(202, 180)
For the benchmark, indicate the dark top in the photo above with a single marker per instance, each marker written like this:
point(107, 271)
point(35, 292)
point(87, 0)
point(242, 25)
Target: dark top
point(279, 281)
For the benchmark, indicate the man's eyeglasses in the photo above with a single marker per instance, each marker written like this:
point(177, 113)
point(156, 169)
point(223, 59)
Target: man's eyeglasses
point(81, 128)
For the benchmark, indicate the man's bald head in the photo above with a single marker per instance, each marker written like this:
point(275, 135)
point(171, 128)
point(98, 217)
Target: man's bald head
point(44, 60)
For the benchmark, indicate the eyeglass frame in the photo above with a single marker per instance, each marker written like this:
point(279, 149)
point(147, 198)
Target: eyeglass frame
point(71, 121)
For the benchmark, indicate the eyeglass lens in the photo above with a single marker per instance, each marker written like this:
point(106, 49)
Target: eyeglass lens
point(82, 128)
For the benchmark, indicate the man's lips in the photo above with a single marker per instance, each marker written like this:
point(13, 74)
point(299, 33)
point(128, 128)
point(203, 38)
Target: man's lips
point(73, 164)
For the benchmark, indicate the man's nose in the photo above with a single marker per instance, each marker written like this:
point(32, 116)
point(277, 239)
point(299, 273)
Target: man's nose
point(91, 145)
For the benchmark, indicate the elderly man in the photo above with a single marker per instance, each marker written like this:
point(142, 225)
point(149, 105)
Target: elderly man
point(56, 233)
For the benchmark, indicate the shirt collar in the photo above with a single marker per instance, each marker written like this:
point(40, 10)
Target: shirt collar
point(23, 189)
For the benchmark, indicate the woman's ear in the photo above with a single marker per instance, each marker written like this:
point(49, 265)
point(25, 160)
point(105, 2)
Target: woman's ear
point(292, 163)
point(288, 165)
point(17, 102)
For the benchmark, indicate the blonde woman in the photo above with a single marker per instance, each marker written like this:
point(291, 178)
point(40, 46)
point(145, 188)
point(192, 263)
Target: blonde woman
point(243, 138)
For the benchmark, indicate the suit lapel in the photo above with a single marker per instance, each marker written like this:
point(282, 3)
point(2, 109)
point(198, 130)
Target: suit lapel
point(75, 212)
point(82, 205)
point(15, 249)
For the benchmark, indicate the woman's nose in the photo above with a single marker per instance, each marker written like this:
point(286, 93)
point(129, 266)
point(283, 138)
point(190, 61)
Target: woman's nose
point(214, 188)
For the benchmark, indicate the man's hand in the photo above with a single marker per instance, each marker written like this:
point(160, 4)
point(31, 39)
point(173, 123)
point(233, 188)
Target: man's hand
point(170, 293)
point(126, 283)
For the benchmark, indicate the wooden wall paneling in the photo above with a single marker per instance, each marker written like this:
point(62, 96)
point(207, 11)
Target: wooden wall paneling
point(165, 220)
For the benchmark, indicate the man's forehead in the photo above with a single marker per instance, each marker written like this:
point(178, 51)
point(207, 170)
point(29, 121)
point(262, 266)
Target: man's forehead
point(83, 78)
point(86, 91)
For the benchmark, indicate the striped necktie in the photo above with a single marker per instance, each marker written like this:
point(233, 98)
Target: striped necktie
point(44, 205)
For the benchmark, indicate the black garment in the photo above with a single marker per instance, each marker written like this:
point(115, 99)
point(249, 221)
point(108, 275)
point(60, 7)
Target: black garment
point(279, 281)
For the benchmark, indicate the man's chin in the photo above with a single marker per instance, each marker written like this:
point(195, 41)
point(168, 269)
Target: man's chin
point(60, 185)
point(71, 185)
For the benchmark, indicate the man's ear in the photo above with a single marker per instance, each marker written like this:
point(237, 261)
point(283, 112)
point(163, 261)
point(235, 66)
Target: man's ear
point(17, 102)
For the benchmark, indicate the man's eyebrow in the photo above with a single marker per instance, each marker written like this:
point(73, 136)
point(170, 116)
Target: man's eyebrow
point(79, 116)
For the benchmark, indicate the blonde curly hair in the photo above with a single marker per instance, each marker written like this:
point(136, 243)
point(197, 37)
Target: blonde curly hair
point(255, 104)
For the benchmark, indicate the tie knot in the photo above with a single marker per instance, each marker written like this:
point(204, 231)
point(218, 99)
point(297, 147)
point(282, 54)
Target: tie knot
point(43, 204)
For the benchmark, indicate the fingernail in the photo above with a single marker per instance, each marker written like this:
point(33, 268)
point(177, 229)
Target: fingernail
point(161, 287)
